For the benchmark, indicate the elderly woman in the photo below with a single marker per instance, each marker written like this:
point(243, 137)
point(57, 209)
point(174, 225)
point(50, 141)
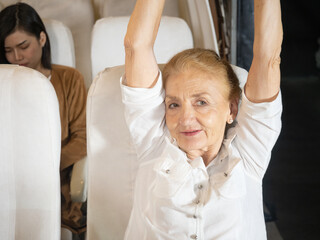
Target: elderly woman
point(24, 41)
point(202, 158)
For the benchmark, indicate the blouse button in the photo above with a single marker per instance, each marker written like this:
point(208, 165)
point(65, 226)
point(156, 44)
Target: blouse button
point(167, 171)
point(200, 186)
point(194, 236)
point(194, 216)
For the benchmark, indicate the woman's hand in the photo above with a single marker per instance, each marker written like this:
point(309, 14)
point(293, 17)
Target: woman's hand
point(140, 63)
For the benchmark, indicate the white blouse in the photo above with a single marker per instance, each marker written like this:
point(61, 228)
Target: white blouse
point(177, 198)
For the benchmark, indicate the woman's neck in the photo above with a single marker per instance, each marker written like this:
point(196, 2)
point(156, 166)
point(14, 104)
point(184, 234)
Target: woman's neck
point(207, 155)
point(44, 71)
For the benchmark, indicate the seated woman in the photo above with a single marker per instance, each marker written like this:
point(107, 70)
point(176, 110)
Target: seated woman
point(202, 158)
point(24, 41)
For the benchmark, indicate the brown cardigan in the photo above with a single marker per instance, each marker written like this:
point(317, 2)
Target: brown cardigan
point(71, 92)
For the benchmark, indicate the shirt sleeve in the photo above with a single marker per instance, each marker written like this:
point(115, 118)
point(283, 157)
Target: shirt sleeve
point(259, 125)
point(144, 114)
point(75, 149)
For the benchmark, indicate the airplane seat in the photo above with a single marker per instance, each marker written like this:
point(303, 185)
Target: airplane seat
point(30, 144)
point(61, 42)
point(107, 48)
point(112, 160)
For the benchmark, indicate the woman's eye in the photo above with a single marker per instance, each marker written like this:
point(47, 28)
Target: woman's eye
point(24, 46)
point(173, 105)
point(7, 50)
point(201, 103)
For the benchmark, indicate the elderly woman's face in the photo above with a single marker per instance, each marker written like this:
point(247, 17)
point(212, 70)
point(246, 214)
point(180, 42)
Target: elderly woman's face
point(197, 110)
point(24, 49)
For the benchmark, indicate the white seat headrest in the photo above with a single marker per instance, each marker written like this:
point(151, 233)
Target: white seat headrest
point(107, 49)
point(61, 41)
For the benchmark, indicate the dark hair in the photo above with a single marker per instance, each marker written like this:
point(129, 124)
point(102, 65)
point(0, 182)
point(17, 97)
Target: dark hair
point(206, 61)
point(21, 16)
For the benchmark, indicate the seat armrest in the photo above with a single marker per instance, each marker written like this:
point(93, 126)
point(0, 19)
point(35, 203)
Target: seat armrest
point(79, 182)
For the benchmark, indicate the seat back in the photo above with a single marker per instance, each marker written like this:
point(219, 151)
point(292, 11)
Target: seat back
point(198, 15)
point(61, 41)
point(107, 48)
point(30, 145)
point(112, 159)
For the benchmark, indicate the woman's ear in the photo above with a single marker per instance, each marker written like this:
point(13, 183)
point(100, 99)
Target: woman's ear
point(233, 110)
point(43, 39)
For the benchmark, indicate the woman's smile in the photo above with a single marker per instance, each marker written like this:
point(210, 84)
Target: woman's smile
point(190, 133)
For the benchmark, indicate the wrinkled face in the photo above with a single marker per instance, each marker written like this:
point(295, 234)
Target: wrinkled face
point(197, 110)
point(24, 49)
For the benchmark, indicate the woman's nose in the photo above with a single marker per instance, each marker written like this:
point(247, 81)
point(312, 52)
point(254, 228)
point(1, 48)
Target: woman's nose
point(18, 56)
point(187, 115)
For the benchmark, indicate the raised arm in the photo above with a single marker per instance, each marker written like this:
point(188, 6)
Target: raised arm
point(140, 63)
point(263, 82)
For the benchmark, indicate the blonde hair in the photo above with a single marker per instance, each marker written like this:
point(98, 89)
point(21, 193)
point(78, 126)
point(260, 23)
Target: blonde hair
point(206, 61)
